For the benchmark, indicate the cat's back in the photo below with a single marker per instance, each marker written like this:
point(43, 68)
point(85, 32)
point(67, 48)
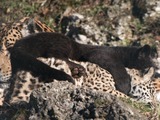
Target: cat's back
point(44, 38)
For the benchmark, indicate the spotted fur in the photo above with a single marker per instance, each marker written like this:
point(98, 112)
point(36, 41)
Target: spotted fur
point(5, 68)
point(100, 79)
point(20, 29)
point(147, 91)
point(96, 78)
point(5, 74)
point(23, 86)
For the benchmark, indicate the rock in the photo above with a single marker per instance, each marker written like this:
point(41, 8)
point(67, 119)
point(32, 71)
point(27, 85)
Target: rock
point(62, 101)
point(153, 9)
point(82, 29)
point(116, 23)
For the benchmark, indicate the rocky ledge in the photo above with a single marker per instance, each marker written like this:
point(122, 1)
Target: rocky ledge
point(62, 101)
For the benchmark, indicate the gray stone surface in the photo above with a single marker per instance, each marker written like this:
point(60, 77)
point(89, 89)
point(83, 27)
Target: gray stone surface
point(60, 100)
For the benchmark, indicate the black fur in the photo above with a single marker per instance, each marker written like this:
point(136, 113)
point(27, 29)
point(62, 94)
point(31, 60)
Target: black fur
point(23, 61)
point(113, 59)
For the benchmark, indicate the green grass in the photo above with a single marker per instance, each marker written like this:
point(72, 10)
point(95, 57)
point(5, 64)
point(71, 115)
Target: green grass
point(17, 9)
point(142, 107)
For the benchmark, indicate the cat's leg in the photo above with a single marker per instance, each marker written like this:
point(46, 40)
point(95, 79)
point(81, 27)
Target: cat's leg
point(121, 78)
point(117, 70)
point(21, 60)
point(76, 69)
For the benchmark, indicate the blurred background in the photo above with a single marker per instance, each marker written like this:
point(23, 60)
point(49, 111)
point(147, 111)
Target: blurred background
point(109, 22)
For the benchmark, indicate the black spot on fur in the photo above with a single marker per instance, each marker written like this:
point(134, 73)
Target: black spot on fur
point(16, 92)
point(88, 85)
point(16, 32)
point(25, 92)
point(23, 80)
point(20, 97)
point(15, 35)
point(33, 81)
point(95, 88)
point(19, 86)
point(146, 94)
point(92, 83)
point(44, 89)
point(31, 87)
point(104, 90)
point(134, 87)
point(27, 97)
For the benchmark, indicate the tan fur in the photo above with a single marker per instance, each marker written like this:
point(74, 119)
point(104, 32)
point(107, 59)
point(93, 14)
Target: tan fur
point(17, 31)
point(147, 89)
point(96, 78)
point(42, 27)
point(5, 67)
point(24, 85)
point(13, 34)
point(20, 29)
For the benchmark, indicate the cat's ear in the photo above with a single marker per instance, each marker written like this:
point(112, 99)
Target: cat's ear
point(148, 76)
point(144, 51)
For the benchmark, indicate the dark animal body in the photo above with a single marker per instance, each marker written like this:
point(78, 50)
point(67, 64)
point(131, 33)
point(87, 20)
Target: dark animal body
point(113, 59)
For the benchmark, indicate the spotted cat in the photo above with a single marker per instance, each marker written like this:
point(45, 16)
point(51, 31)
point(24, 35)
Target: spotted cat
point(96, 78)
